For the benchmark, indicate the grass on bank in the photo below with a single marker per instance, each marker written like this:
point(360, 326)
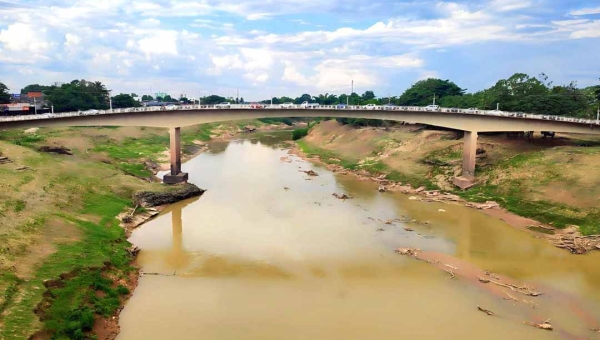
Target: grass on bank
point(81, 197)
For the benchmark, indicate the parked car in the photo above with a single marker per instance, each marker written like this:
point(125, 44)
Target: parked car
point(370, 106)
point(432, 108)
point(224, 105)
point(307, 105)
point(287, 105)
point(340, 106)
point(257, 106)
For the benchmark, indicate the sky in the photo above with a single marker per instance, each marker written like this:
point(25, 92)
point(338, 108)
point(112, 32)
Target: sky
point(265, 48)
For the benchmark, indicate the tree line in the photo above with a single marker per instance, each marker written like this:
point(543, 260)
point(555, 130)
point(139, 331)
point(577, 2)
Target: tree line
point(520, 92)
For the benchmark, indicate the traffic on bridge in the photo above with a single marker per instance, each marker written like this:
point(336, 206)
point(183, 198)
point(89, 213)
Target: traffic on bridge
point(304, 106)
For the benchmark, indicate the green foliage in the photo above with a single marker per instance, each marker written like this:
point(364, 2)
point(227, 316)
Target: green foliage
point(135, 169)
point(358, 122)
point(124, 100)
point(147, 98)
point(299, 133)
point(286, 121)
point(422, 92)
point(19, 138)
point(34, 88)
point(4, 95)
point(78, 95)
point(212, 100)
point(135, 148)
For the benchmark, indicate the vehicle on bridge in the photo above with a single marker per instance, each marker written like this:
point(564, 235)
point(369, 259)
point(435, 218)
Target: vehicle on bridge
point(370, 106)
point(256, 106)
point(308, 105)
point(432, 108)
point(223, 105)
point(287, 105)
point(340, 106)
point(472, 110)
point(389, 106)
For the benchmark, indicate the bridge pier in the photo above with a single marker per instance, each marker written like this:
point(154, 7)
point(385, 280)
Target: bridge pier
point(467, 178)
point(176, 176)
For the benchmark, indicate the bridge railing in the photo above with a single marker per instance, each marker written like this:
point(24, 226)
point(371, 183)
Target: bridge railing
point(301, 107)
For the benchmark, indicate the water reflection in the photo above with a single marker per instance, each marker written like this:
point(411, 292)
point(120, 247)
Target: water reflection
point(256, 261)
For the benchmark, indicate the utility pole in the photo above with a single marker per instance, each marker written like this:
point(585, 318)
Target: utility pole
point(351, 92)
point(434, 99)
point(34, 106)
point(598, 116)
point(497, 106)
point(237, 96)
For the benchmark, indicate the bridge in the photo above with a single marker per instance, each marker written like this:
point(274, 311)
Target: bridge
point(470, 121)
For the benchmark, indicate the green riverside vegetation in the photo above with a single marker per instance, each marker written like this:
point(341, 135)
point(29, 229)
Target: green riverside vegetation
point(79, 196)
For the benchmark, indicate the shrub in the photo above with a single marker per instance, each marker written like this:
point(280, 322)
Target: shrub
point(299, 133)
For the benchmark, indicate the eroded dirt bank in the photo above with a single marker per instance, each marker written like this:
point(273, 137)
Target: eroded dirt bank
point(517, 179)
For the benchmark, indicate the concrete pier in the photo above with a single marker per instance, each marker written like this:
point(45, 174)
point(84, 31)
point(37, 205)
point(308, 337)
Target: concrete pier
point(467, 177)
point(176, 176)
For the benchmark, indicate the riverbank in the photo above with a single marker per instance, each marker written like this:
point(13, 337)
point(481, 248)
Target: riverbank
point(522, 177)
point(60, 192)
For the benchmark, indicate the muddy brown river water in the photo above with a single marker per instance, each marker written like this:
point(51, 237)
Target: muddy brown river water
point(253, 260)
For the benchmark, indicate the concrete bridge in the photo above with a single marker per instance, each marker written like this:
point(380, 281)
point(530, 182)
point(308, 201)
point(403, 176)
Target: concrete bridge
point(471, 122)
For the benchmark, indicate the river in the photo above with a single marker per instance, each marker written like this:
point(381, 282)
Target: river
point(268, 253)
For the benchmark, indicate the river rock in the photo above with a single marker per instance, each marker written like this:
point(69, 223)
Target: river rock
point(152, 199)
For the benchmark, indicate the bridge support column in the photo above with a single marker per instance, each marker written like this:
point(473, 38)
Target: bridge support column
point(176, 176)
point(467, 178)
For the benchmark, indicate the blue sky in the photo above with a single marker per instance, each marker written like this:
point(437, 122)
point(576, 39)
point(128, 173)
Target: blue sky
point(289, 47)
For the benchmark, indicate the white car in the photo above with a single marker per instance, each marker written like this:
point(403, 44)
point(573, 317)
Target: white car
point(432, 108)
point(224, 105)
point(287, 105)
point(91, 112)
point(171, 107)
point(370, 106)
point(472, 110)
point(308, 105)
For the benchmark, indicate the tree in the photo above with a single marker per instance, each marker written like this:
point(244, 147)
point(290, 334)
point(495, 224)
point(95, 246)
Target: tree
point(422, 92)
point(34, 88)
point(213, 99)
point(124, 100)
point(78, 95)
point(4, 95)
point(368, 95)
point(147, 98)
point(303, 98)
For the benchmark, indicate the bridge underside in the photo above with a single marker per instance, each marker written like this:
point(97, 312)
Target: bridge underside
point(471, 124)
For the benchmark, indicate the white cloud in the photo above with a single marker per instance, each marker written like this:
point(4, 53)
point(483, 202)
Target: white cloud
point(72, 40)
point(585, 11)
point(24, 38)
point(509, 5)
point(161, 42)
